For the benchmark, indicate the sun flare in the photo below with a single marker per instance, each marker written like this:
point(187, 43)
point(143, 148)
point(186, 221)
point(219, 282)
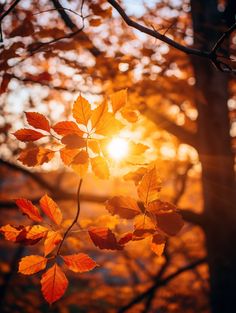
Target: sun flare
point(118, 148)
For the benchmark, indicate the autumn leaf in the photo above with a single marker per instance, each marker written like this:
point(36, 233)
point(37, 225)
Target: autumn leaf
point(125, 238)
point(10, 232)
point(118, 99)
point(67, 128)
point(54, 284)
point(81, 158)
point(149, 187)
point(99, 114)
point(51, 209)
point(81, 110)
point(95, 22)
point(108, 125)
point(137, 148)
point(130, 115)
point(79, 263)
point(27, 208)
point(125, 207)
point(36, 232)
point(168, 219)
point(28, 135)
point(100, 167)
point(52, 240)
point(143, 227)
point(73, 141)
point(67, 155)
point(38, 121)
point(36, 156)
point(32, 264)
point(104, 238)
point(80, 169)
point(158, 244)
point(136, 176)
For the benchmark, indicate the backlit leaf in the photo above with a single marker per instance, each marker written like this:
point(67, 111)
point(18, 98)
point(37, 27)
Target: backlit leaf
point(66, 128)
point(149, 187)
point(143, 227)
point(81, 110)
point(52, 240)
point(108, 125)
point(27, 208)
point(38, 120)
point(99, 113)
point(32, 264)
point(73, 141)
point(130, 115)
point(51, 209)
point(10, 232)
point(81, 157)
point(104, 238)
point(125, 238)
point(100, 167)
point(125, 207)
point(158, 244)
point(79, 263)
point(118, 99)
point(67, 155)
point(28, 135)
point(36, 156)
point(54, 284)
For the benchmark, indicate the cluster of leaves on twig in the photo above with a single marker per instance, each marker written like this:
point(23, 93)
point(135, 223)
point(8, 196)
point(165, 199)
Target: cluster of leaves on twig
point(81, 145)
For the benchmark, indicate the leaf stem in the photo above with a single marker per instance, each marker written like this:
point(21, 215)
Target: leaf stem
point(75, 219)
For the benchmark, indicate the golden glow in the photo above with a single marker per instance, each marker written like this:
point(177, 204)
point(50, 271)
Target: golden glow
point(118, 148)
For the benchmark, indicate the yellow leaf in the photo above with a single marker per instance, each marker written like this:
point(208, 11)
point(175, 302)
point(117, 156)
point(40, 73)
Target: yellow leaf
point(81, 110)
point(100, 167)
point(118, 99)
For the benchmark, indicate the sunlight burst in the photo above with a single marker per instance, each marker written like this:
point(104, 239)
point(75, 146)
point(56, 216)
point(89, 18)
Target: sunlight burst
point(118, 148)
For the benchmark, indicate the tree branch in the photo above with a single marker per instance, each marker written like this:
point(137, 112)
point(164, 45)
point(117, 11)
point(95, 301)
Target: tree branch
point(160, 283)
point(211, 55)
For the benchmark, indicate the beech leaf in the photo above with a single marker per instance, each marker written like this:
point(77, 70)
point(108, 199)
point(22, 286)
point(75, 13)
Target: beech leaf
point(27, 208)
point(52, 240)
point(104, 238)
point(79, 263)
point(28, 135)
point(38, 120)
point(32, 264)
point(51, 209)
point(125, 207)
point(81, 110)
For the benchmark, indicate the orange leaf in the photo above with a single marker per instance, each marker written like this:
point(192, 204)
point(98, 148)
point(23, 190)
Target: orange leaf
point(100, 167)
point(73, 141)
point(51, 209)
point(125, 207)
point(79, 263)
point(118, 99)
point(81, 110)
point(143, 227)
point(54, 284)
point(108, 125)
point(129, 115)
point(81, 157)
point(32, 264)
point(35, 156)
point(38, 120)
point(28, 135)
point(27, 208)
point(52, 240)
point(36, 232)
point(149, 187)
point(80, 169)
point(137, 148)
point(67, 155)
point(99, 113)
point(104, 238)
point(66, 128)
point(10, 232)
point(94, 146)
point(158, 244)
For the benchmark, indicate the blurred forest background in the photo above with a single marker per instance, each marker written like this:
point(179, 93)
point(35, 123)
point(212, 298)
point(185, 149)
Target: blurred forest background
point(184, 98)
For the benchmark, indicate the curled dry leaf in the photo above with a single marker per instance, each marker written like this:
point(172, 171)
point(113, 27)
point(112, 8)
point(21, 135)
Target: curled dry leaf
point(27, 208)
point(104, 238)
point(79, 263)
point(125, 207)
point(38, 120)
point(53, 284)
point(32, 264)
point(51, 209)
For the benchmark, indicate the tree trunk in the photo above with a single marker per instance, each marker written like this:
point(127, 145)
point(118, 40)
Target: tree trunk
point(218, 179)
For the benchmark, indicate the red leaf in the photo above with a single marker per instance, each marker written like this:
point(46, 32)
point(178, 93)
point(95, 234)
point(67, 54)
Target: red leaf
point(28, 135)
point(79, 263)
point(158, 244)
point(67, 128)
point(51, 209)
point(54, 284)
point(32, 264)
point(38, 120)
point(27, 208)
point(125, 238)
point(104, 238)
